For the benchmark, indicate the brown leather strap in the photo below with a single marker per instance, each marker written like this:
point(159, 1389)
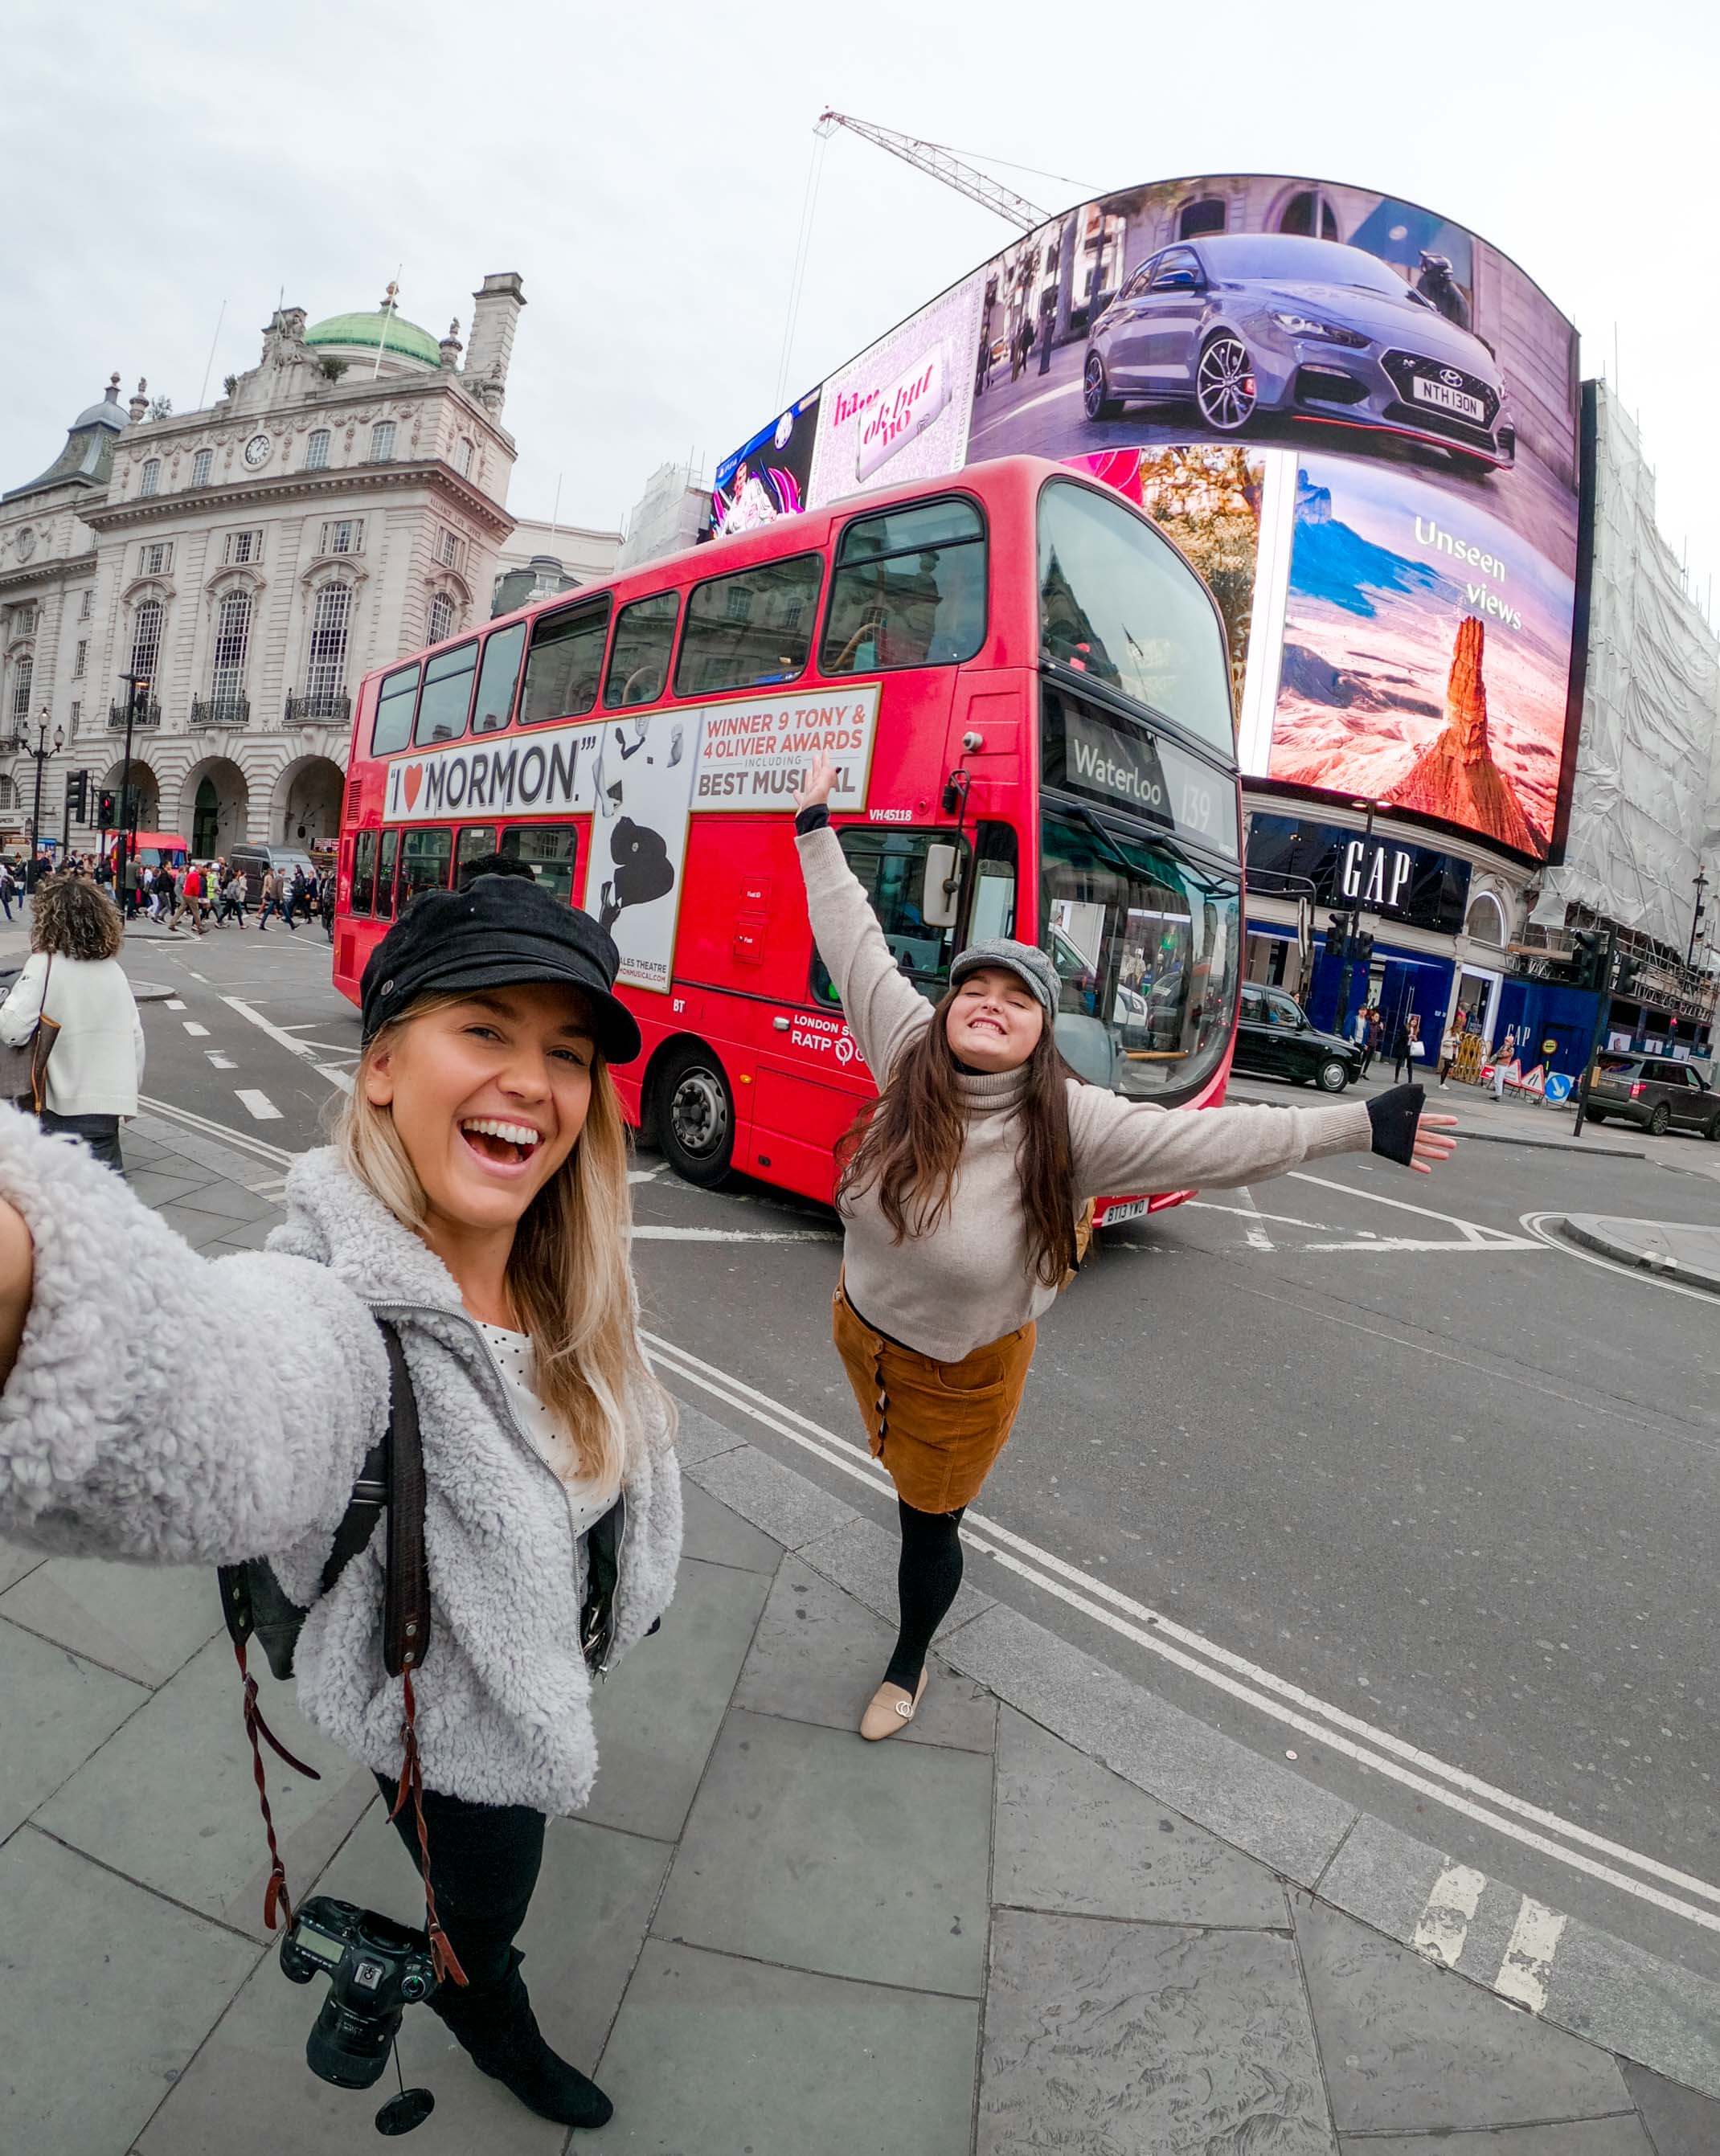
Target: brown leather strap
point(406, 1602)
point(443, 1957)
point(276, 1902)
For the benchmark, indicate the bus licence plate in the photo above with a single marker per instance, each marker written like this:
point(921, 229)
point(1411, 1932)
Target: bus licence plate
point(1131, 1209)
point(1448, 399)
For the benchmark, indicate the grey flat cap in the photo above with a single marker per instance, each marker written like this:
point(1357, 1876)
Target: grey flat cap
point(1025, 961)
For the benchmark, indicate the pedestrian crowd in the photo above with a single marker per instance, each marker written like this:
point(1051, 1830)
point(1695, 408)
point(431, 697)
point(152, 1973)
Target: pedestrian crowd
point(459, 1258)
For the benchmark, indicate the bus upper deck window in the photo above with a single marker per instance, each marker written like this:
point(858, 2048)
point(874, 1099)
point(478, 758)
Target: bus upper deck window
point(909, 590)
point(447, 696)
point(639, 665)
point(566, 661)
point(496, 677)
point(394, 707)
point(753, 626)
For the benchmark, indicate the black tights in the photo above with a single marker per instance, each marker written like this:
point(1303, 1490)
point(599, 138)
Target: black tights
point(926, 1581)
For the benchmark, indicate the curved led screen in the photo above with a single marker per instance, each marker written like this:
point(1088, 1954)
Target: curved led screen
point(1358, 418)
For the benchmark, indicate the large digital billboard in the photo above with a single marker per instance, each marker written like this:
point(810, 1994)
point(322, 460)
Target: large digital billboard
point(1360, 420)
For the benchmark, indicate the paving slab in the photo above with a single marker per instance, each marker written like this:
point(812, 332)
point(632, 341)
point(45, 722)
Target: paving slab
point(18, 1559)
point(171, 1800)
point(718, 1535)
point(580, 1942)
point(1576, 2137)
point(55, 1711)
point(1411, 2048)
point(1142, 2039)
point(790, 1508)
point(105, 1992)
point(813, 1848)
point(699, 1436)
point(658, 1716)
point(818, 1656)
point(144, 1620)
point(717, 2057)
point(1269, 1813)
point(1073, 1838)
point(1680, 2122)
point(164, 1186)
point(862, 1558)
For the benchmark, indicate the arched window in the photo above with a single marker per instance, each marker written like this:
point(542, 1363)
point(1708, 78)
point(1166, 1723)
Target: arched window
point(24, 676)
point(1207, 215)
point(317, 451)
point(1310, 212)
point(1486, 919)
point(325, 675)
point(463, 459)
point(233, 643)
point(441, 622)
point(151, 476)
point(201, 466)
point(9, 794)
point(205, 820)
point(382, 441)
point(147, 638)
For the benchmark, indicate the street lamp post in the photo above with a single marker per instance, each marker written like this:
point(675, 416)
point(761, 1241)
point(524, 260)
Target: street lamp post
point(137, 686)
point(1355, 926)
point(39, 754)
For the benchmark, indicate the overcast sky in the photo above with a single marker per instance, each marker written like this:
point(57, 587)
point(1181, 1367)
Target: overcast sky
point(644, 168)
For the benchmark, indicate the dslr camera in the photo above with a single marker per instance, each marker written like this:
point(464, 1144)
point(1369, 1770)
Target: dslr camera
point(376, 1970)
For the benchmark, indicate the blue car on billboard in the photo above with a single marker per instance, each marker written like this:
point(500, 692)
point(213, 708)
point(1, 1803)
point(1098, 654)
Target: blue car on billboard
point(1252, 323)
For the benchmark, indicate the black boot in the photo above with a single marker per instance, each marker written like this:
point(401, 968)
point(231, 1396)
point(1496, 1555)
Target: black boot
point(498, 2030)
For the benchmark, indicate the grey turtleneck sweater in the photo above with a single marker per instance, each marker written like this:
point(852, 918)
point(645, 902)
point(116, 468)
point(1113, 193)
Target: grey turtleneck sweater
point(968, 1281)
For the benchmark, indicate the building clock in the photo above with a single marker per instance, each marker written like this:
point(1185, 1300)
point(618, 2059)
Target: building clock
point(257, 450)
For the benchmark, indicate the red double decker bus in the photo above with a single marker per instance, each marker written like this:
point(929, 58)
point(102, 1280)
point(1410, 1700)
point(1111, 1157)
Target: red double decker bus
point(1025, 687)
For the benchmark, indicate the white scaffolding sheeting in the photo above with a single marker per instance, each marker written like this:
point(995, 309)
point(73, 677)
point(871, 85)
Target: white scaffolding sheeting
point(1646, 806)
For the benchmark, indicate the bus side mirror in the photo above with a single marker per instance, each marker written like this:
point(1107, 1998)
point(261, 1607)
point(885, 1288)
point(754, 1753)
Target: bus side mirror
point(940, 887)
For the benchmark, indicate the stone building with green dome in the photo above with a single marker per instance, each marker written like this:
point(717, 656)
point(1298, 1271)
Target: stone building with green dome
point(343, 502)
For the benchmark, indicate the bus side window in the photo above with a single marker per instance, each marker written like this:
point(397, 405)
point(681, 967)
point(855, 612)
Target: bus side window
point(497, 678)
point(394, 702)
point(753, 626)
point(909, 590)
point(638, 663)
point(995, 868)
point(424, 860)
point(549, 850)
point(364, 871)
point(385, 875)
point(892, 867)
point(565, 660)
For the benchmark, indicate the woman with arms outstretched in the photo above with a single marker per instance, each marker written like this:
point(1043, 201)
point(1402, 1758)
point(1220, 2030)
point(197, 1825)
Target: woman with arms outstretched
point(154, 1404)
point(961, 1188)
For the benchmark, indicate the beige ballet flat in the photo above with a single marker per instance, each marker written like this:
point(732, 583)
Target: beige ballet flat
point(890, 1710)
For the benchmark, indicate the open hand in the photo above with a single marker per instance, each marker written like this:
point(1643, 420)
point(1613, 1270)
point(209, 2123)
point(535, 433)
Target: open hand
point(1432, 1145)
point(819, 784)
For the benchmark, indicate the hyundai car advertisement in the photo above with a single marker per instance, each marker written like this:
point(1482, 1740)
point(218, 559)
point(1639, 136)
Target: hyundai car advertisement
point(1358, 418)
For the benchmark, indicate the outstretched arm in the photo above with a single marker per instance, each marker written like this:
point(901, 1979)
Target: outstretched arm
point(884, 1011)
point(154, 1403)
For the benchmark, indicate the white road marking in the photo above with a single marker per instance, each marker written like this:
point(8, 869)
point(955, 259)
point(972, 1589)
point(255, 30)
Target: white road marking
point(1366, 1242)
point(646, 1174)
point(1444, 1921)
point(1383, 1752)
point(242, 1141)
point(259, 1104)
point(220, 1062)
point(1528, 1959)
point(1258, 1238)
point(196, 1032)
point(173, 1004)
point(1279, 1220)
point(304, 1049)
point(1472, 1230)
point(346, 1048)
point(335, 1076)
point(197, 976)
point(655, 1235)
point(1536, 1224)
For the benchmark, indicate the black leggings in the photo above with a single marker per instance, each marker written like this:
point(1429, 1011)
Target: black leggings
point(484, 1864)
point(927, 1579)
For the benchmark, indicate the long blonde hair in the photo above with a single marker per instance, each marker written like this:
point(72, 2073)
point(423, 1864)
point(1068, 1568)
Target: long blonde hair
point(570, 1271)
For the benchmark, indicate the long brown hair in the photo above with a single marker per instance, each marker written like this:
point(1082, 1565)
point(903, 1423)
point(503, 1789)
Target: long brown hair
point(907, 1146)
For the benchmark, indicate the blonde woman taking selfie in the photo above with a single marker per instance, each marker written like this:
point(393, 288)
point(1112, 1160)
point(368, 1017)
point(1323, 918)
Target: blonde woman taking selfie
point(157, 1405)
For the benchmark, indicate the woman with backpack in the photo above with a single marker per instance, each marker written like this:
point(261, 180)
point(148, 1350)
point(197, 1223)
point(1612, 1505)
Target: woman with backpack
point(476, 1196)
point(960, 1190)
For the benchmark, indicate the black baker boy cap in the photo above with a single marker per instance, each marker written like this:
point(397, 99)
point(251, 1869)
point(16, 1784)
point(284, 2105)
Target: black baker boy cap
point(500, 932)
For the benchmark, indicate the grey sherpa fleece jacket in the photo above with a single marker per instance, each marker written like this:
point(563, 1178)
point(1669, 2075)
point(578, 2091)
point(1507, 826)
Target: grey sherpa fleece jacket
point(170, 1407)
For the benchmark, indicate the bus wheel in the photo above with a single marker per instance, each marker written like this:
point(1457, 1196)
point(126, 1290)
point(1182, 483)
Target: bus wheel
point(695, 1115)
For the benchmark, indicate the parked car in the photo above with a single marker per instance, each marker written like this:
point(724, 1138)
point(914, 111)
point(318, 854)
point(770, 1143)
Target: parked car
point(253, 863)
point(1658, 1093)
point(1243, 323)
point(1274, 1039)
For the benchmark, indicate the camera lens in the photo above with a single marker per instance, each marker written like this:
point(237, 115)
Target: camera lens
point(348, 2049)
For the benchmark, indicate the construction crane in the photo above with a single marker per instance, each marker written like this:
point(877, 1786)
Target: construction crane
point(941, 164)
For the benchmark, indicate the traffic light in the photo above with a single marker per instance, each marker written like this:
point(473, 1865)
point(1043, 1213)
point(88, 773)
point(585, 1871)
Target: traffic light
point(1338, 937)
point(107, 807)
point(77, 794)
point(1588, 956)
point(1362, 949)
point(1631, 974)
